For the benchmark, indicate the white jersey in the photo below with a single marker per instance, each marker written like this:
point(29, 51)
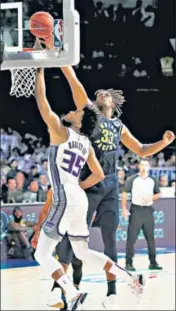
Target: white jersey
point(65, 161)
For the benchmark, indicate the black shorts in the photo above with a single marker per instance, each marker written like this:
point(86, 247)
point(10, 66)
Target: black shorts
point(104, 198)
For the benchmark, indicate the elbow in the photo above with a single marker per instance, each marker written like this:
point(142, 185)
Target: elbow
point(101, 176)
point(142, 152)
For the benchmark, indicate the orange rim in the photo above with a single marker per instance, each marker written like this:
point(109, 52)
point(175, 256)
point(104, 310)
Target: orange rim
point(28, 49)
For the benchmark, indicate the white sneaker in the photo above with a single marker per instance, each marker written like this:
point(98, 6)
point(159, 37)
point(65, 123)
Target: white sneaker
point(55, 299)
point(110, 303)
point(77, 302)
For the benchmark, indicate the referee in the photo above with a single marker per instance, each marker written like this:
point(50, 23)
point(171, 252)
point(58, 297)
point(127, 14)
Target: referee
point(144, 190)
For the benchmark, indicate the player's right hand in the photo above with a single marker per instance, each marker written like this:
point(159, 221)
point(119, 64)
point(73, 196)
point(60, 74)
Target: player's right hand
point(35, 238)
point(125, 213)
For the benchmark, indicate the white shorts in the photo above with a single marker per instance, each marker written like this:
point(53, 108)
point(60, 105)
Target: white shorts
point(69, 214)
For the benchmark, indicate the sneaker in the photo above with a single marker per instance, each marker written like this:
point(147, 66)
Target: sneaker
point(76, 303)
point(137, 285)
point(110, 303)
point(130, 267)
point(55, 300)
point(155, 266)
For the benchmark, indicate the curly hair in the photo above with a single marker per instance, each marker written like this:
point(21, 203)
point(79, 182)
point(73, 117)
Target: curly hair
point(89, 121)
point(117, 98)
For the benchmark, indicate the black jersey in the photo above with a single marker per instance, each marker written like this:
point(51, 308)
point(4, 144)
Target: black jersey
point(105, 142)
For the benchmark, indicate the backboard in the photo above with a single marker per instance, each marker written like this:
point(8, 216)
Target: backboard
point(15, 29)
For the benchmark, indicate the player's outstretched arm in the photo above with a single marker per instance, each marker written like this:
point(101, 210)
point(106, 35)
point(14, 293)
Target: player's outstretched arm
point(144, 150)
point(79, 94)
point(96, 169)
point(50, 118)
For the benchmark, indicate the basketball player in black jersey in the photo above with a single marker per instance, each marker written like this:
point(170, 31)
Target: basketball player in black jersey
point(103, 198)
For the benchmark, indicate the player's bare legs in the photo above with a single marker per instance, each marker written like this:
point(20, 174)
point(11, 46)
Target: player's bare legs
point(44, 257)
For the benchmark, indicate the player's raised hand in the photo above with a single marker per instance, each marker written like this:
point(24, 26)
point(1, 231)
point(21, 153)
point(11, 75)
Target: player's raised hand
point(48, 43)
point(168, 137)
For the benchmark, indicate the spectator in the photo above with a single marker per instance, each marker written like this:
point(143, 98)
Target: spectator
point(121, 179)
point(11, 194)
point(163, 181)
point(43, 187)
point(144, 190)
point(4, 167)
point(31, 195)
point(133, 169)
point(33, 173)
point(44, 167)
point(4, 141)
point(12, 139)
point(19, 233)
point(172, 161)
point(3, 186)
point(148, 16)
point(20, 181)
point(13, 168)
point(161, 159)
point(173, 184)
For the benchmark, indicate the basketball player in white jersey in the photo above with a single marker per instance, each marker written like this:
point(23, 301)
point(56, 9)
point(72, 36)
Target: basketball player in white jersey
point(70, 149)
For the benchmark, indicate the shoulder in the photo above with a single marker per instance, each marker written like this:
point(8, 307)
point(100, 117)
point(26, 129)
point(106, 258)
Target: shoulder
point(118, 124)
point(132, 178)
point(154, 179)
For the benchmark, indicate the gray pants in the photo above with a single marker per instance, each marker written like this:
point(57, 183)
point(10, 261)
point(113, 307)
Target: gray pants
point(140, 218)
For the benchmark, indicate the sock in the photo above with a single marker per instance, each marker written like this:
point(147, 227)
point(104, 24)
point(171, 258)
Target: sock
point(111, 288)
point(77, 276)
point(68, 286)
point(120, 272)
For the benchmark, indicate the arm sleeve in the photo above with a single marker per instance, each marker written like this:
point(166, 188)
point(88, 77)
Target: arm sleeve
point(129, 184)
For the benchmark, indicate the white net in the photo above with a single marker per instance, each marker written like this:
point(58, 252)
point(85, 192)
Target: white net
point(23, 82)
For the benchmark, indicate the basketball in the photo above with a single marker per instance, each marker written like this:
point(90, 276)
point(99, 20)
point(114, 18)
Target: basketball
point(41, 24)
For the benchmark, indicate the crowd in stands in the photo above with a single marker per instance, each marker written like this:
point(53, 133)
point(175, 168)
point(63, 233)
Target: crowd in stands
point(114, 38)
point(24, 176)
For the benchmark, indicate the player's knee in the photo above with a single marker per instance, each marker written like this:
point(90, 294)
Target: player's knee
point(38, 256)
point(76, 264)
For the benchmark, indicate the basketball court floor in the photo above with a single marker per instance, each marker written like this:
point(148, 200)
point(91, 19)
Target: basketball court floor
point(28, 288)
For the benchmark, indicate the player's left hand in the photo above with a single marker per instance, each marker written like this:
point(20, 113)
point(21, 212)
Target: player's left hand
point(168, 137)
point(48, 42)
point(35, 238)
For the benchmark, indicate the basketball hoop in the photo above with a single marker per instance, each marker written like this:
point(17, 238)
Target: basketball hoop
point(23, 80)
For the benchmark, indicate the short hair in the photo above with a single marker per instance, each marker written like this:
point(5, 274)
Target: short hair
point(10, 178)
point(89, 121)
point(44, 160)
point(144, 159)
point(16, 208)
point(117, 98)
